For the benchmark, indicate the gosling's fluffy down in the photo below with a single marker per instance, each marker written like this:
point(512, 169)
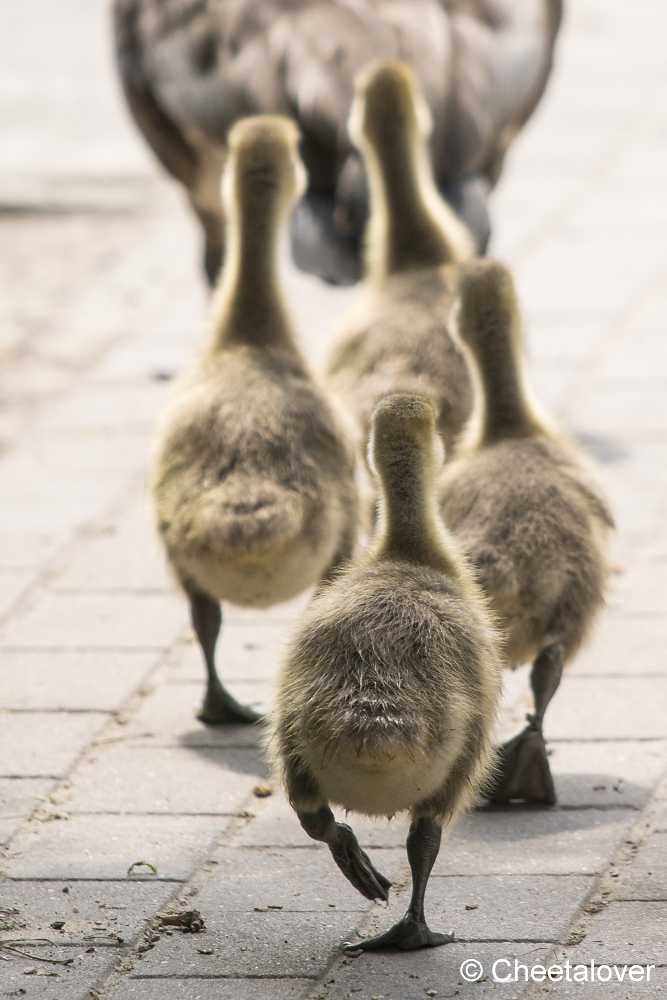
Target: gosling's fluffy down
point(519, 495)
point(398, 340)
point(390, 684)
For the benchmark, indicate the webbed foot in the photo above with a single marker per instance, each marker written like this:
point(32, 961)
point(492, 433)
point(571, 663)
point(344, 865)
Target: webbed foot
point(524, 771)
point(357, 867)
point(408, 935)
point(220, 708)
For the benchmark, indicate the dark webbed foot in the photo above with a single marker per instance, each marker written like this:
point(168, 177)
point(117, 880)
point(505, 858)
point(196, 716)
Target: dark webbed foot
point(220, 708)
point(354, 863)
point(408, 935)
point(523, 769)
point(412, 931)
point(523, 766)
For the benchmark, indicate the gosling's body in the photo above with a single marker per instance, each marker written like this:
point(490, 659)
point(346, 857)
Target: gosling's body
point(524, 506)
point(390, 684)
point(399, 340)
point(191, 69)
point(253, 481)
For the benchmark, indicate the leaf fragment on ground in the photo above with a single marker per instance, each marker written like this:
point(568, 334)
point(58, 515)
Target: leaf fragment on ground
point(138, 864)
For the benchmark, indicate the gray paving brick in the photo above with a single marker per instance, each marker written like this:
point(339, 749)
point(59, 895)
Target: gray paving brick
point(262, 944)
point(409, 975)
point(69, 679)
point(13, 583)
point(97, 912)
point(73, 982)
point(141, 779)
point(121, 405)
point(103, 847)
point(508, 907)
point(647, 878)
point(632, 933)
point(125, 555)
point(213, 989)
point(246, 651)
point(169, 714)
point(609, 708)
point(18, 798)
point(54, 742)
point(533, 841)
point(625, 644)
point(276, 825)
point(643, 589)
point(103, 620)
point(295, 881)
point(606, 774)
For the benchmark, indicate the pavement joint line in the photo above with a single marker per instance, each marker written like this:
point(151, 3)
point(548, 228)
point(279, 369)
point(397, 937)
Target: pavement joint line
point(56, 565)
point(88, 754)
point(605, 885)
point(207, 869)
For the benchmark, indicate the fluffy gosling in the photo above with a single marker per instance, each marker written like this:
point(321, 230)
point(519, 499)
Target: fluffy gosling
point(253, 482)
point(389, 689)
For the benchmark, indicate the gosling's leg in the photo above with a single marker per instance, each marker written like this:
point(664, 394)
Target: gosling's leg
point(412, 931)
point(524, 767)
point(219, 707)
point(354, 863)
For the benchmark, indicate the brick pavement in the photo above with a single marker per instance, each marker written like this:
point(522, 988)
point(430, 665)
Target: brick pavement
point(102, 762)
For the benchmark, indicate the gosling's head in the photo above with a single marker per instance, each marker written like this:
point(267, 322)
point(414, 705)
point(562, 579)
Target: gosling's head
point(404, 438)
point(388, 111)
point(263, 165)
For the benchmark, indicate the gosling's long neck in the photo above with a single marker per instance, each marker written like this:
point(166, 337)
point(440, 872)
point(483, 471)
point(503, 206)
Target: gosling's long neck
point(507, 412)
point(410, 528)
point(403, 233)
point(248, 305)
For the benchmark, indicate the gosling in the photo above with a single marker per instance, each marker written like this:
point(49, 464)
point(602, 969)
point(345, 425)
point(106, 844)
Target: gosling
point(523, 505)
point(253, 481)
point(399, 340)
point(389, 689)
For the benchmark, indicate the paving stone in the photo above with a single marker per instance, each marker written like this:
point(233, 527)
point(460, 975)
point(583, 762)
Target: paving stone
point(647, 878)
point(409, 975)
point(213, 989)
point(661, 823)
point(119, 405)
point(18, 798)
point(604, 774)
point(59, 679)
point(627, 413)
point(641, 591)
point(56, 739)
point(124, 556)
point(73, 982)
point(142, 779)
point(615, 990)
point(510, 907)
point(625, 644)
point(169, 714)
point(276, 825)
point(13, 583)
point(632, 933)
point(102, 909)
point(609, 708)
point(532, 841)
point(262, 944)
point(103, 847)
point(103, 620)
point(246, 651)
point(293, 880)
